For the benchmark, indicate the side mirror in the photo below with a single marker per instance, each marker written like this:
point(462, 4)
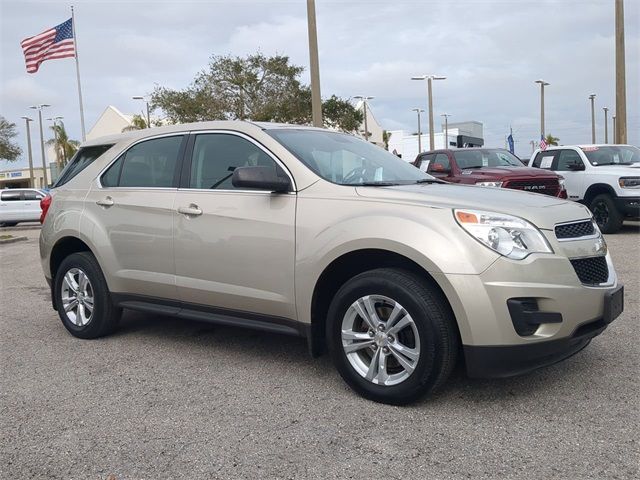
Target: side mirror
point(574, 167)
point(439, 168)
point(262, 178)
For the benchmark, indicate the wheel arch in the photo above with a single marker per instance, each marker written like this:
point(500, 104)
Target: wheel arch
point(347, 266)
point(597, 189)
point(64, 247)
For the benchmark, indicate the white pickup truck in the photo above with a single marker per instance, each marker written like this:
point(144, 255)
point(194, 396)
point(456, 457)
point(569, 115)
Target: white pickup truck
point(606, 178)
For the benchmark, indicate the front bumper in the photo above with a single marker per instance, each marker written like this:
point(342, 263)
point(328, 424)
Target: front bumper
point(628, 206)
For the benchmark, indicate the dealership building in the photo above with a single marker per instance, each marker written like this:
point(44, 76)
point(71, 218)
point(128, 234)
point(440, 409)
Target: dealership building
point(20, 178)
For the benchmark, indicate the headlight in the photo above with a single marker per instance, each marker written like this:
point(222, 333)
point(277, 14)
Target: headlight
point(510, 236)
point(629, 182)
point(489, 184)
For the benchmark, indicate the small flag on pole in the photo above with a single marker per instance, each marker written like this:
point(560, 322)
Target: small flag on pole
point(51, 44)
point(511, 143)
point(543, 144)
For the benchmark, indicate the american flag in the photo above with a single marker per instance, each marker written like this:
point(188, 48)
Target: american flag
point(543, 144)
point(54, 43)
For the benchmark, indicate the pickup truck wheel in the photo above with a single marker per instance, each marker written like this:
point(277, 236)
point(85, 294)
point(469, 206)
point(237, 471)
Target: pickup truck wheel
point(391, 335)
point(606, 214)
point(82, 297)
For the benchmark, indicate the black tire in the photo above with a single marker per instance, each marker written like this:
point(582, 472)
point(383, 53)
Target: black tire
point(105, 316)
point(605, 213)
point(433, 318)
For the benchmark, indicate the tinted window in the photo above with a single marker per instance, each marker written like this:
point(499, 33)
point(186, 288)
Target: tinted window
point(147, 164)
point(346, 160)
point(9, 196)
point(32, 195)
point(424, 162)
point(566, 159)
point(81, 160)
point(217, 155)
point(440, 164)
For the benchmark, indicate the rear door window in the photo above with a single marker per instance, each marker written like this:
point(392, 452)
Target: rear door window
point(32, 195)
point(81, 160)
point(149, 164)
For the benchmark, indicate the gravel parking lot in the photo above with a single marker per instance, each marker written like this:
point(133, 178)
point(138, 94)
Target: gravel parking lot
point(165, 398)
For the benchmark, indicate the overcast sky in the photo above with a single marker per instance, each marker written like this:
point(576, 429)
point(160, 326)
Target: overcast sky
point(490, 50)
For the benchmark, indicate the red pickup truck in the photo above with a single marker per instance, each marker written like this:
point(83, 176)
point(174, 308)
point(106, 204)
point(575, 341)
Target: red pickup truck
point(489, 167)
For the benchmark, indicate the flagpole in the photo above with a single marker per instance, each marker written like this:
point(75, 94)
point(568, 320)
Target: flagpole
point(75, 41)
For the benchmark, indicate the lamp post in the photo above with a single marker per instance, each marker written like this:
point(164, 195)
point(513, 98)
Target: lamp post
point(429, 79)
point(364, 110)
point(146, 102)
point(446, 129)
point(621, 87)
point(542, 85)
point(615, 130)
point(593, 118)
point(606, 126)
point(419, 111)
point(44, 161)
point(316, 99)
point(56, 146)
point(31, 180)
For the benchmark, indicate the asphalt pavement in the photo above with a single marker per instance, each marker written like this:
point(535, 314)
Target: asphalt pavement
point(171, 399)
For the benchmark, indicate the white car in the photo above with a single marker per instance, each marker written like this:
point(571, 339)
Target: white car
point(20, 205)
point(606, 178)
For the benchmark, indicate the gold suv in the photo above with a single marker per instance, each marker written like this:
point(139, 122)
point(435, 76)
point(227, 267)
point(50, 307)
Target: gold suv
point(319, 234)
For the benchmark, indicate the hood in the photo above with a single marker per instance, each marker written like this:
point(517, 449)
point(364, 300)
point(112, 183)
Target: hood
point(543, 211)
point(488, 173)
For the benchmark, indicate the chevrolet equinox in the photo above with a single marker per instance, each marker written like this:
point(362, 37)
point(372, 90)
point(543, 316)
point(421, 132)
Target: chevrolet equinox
point(316, 233)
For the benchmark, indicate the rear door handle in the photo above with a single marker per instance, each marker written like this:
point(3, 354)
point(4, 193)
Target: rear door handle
point(105, 202)
point(191, 211)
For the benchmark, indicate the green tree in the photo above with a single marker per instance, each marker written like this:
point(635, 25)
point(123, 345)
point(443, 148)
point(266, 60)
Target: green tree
point(255, 87)
point(386, 136)
point(63, 146)
point(551, 140)
point(138, 122)
point(8, 150)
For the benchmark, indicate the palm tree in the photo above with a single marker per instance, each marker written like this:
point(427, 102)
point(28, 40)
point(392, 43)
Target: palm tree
point(138, 122)
point(62, 145)
point(551, 140)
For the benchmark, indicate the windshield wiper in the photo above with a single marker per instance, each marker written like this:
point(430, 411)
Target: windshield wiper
point(375, 184)
point(475, 166)
point(429, 180)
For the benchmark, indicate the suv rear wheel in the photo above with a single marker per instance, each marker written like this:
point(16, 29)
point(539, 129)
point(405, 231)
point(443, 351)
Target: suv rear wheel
point(606, 214)
point(82, 297)
point(391, 336)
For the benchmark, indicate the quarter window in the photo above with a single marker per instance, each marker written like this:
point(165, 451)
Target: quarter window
point(217, 155)
point(149, 164)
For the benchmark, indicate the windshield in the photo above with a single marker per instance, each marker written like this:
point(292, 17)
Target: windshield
point(486, 158)
point(612, 155)
point(347, 160)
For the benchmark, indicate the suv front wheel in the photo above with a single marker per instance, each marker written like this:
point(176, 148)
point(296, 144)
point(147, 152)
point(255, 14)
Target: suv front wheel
point(82, 297)
point(391, 335)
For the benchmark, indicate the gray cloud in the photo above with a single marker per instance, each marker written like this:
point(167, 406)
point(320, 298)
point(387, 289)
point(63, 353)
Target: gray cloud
point(491, 52)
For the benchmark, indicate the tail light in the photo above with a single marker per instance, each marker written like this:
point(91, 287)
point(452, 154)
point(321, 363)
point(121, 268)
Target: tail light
point(45, 203)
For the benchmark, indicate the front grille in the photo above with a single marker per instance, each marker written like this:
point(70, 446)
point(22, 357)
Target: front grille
point(575, 230)
point(592, 270)
point(549, 186)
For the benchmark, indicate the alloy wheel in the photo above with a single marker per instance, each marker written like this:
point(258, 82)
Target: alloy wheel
point(380, 340)
point(77, 297)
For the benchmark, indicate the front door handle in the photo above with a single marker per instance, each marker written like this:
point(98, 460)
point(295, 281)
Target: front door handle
point(191, 211)
point(105, 202)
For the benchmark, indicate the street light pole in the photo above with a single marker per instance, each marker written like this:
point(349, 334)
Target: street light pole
point(621, 88)
point(31, 180)
point(542, 85)
point(593, 118)
point(615, 130)
point(364, 109)
point(419, 111)
point(446, 129)
point(316, 99)
point(139, 97)
point(44, 160)
point(429, 79)
point(606, 125)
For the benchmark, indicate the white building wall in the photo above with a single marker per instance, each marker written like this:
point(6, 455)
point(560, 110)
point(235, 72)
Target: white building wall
point(406, 145)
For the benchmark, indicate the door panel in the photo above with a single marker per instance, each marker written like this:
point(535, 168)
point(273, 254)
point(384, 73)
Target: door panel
point(573, 179)
point(239, 253)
